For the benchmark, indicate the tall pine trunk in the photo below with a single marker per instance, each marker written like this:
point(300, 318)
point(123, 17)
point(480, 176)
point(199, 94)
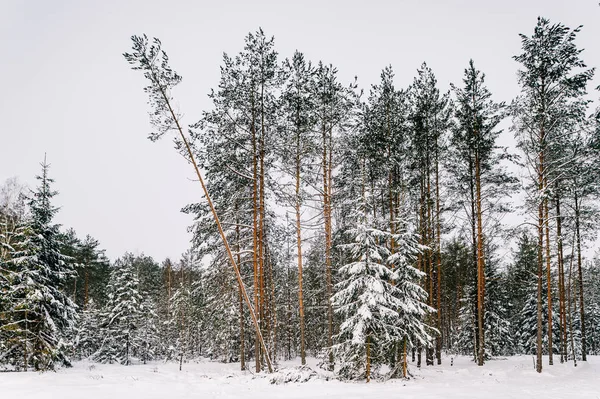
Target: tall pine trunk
point(580, 278)
point(549, 280)
point(368, 355)
point(299, 248)
point(480, 264)
point(540, 271)
point(239, 261)
point(569, 314)
point(261, 215)
point(255, 234)
point(327, 216)
point(438, 340)
point(474, 257)
point(86, 296)
point(561, 283)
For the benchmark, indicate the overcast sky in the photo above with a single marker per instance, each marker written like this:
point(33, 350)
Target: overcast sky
point(67, 91)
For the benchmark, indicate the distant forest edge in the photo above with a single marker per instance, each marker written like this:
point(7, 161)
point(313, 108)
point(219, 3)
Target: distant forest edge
point(363, 229)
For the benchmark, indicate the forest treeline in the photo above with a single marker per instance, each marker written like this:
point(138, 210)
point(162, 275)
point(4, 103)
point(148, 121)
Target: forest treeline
point(366, 228)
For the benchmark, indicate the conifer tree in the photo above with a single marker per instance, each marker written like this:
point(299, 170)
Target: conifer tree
point(519, 276)
point(154, 63)
point(334, 105)
point(378, 296)
point(479, 174)
point(91, 268)
point(553, 77)
point(365, 298)
point(430, 120)
point(89, 334)
point(528, 328)
point(122, 316)
point(592, 305)
point(43, 317)
point(496, 324)
point(298, 153)
point(583, 190)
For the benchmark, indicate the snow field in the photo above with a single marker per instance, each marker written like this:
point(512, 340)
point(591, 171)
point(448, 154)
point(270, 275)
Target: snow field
point(513, 377)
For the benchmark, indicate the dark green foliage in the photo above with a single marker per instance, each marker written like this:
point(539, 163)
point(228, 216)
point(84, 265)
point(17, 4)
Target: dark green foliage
point(128, 321)
point(39, 318)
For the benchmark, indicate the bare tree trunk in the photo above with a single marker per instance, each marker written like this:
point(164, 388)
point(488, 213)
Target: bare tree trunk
point(561, 282)
point(430, 240)
point(255, 231)
point(405, 359)
point(327, 217)
point(475, 259)
point(239, 261)
point(261, 219)
point(368, 349)
point(75, 288)
point(299, 248)
point(570, 316)
point(422, 256)
point(330, 224)
point(438, 340)
point(580, 278)
point(540, 274)
point(169, 283)
point(25, 357)
point(541, 176)
point(289, 311)
point(86, 297)
point(273, 309)
point(480, 264)
point(549, 280)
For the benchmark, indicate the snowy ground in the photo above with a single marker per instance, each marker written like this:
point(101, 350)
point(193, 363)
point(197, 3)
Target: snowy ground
point(509, 378)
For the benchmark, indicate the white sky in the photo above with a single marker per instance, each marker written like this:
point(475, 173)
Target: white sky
point(67, 91)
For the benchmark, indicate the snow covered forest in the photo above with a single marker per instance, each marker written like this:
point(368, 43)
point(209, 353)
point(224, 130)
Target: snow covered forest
point(359, 226)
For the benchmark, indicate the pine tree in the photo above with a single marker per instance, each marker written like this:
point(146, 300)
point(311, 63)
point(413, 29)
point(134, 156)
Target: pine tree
point(592, 305)
point(13, 227)
point(366, 301)
point(499, 339)
point(91, 267)
point(430, 120)
point(122, 316)
point(459, 274)
point(528, 328)
point(466, 337)
point(584, 176)
point(181, 315)
point(519, 277)
point(298, 153)
point(412, 296)
point(237, 145)
point(496, 324)
point(89, 336)
point(552, 80)
point(479, 177)
point(221, 298)
point(42, 316)
point(147, 339)
point(381, 306)
point(334, 105)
